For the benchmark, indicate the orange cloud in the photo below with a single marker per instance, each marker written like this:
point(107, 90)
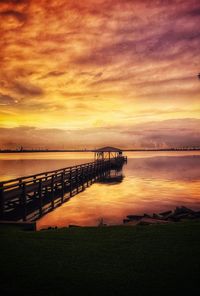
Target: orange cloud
point(81, 65)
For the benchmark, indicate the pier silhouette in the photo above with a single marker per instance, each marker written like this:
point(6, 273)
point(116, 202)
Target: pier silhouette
point(29, 198)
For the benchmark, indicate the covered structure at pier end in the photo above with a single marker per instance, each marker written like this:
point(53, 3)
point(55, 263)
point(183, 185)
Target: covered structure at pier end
point(106, 153)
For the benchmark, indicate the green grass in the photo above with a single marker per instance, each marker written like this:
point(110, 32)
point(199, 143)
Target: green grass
point(158, 259)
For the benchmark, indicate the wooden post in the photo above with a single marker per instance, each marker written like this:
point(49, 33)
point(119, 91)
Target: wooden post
point(70, 182)
point(90, 173)
point(46, 187)
point(40, 197)
point(99, 170)
point(82, 177)
point(52, 191)
point(1, 202)
point(62, 187)
point(77, 180)
point(104, 166)
point(87, 176)
point(55, 183)
point(93, 172)
point(23, 201)
point(96, 171)
point(34, 181)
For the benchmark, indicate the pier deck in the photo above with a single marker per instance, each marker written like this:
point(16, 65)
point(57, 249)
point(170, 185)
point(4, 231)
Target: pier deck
point(29, 198)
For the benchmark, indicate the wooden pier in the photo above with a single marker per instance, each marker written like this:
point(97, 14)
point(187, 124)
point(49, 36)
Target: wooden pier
point(29, 198)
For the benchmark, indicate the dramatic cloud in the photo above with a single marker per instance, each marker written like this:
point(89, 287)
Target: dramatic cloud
point(99, 64)
point(7, 100)
point(54, 73)
point(27, 89)
point(15, 14)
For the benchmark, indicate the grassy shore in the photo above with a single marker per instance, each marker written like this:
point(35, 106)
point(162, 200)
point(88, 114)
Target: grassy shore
point(159, 259)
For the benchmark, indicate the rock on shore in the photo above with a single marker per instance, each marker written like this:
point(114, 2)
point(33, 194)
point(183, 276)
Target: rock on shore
point(176, 215)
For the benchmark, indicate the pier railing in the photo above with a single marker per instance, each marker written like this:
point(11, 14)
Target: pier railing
point(30, 197)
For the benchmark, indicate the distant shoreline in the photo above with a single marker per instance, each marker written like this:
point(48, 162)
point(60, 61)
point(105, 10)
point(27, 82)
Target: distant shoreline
point(88, 150)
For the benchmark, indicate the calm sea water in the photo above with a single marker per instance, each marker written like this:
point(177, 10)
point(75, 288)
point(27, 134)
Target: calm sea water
point(152, 182)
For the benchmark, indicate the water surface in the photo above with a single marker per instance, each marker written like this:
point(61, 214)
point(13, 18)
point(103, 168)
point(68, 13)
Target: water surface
point(153, 182)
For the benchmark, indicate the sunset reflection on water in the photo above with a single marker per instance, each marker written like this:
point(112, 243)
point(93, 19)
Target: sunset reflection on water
point(149, 185)
point(153, 182)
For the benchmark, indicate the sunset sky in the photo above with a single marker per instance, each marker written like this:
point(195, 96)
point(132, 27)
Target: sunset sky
point(89, 73)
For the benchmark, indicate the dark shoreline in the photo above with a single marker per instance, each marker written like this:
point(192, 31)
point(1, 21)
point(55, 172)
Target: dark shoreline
point(93, 150)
